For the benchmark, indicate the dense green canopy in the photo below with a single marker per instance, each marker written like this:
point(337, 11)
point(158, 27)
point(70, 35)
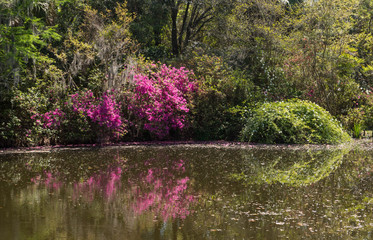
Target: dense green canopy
point(242, 53)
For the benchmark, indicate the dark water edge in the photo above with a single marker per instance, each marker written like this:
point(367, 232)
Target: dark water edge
point(188, 191)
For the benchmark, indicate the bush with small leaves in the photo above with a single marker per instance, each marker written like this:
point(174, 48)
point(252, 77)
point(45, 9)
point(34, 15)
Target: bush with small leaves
point(293, 121)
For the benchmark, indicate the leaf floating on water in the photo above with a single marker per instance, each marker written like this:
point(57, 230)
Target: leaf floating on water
point(268, 213)
point(302, 224)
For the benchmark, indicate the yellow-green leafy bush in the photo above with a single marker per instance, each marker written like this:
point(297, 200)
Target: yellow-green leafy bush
point(293, 121)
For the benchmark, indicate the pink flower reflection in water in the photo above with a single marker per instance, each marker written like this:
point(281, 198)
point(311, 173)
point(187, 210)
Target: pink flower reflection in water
point(163, 193)
point(49, 181)
point(107, 181)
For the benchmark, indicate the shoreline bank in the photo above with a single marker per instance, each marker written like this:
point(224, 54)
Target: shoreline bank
point(355, 144)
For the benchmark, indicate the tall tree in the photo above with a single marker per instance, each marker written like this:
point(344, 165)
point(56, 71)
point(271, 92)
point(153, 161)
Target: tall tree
point(152, 16)
point(188, 19)
point(254, 40)
point(24, 32)
point(322, 60)
point(100, 46)
point(363, 28)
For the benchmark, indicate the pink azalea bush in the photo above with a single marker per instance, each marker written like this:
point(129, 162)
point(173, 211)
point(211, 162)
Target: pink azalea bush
point(49, 120)
point(104, 111)
point(160, 99)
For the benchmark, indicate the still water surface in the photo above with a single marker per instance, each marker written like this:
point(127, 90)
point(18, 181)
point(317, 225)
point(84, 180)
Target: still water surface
point(187, 192)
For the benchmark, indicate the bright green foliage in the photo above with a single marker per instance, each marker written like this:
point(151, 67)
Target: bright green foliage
point(293, 121)
point(256, 40)
point(357, 130)
point(354, 122)
point(23, 35)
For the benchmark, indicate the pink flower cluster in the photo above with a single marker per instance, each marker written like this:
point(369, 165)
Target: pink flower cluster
point(49, 120)
point(161, 99)
point(104, 111)
point(107, 113)
point(83, 103)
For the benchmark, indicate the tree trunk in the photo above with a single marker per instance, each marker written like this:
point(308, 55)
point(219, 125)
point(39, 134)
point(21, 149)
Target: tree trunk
point(183, 27)
point(175, 45)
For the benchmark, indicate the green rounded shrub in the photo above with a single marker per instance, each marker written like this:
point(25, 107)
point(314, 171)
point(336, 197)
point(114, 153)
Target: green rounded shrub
point(293, 121)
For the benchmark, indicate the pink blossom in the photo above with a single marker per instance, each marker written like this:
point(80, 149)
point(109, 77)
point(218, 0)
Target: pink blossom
point(161, 99)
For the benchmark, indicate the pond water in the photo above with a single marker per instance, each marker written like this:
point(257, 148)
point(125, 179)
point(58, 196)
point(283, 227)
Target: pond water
point(187, 192)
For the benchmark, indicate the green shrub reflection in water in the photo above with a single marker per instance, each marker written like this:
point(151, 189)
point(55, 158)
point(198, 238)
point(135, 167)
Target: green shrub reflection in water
point(294, 195)
point(297, 168)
